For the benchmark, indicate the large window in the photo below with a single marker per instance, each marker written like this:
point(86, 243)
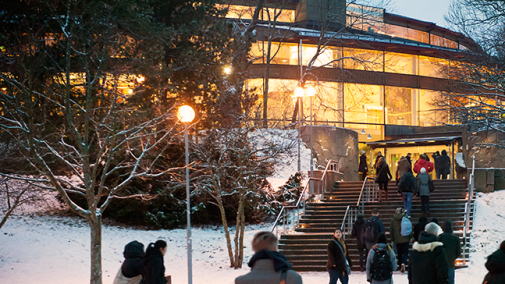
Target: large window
point(363, 59)
point(399, 106)
point(400, 63)
point(429, 112)
point(363, 103)
point(268, 14)
point(433, 67)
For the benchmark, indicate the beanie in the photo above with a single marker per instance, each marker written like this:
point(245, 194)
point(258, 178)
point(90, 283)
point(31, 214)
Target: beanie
point(423, 170)
point(433, 228)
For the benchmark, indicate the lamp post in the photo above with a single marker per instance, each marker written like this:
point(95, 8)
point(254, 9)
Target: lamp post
point(299, 94)
point(186, 114)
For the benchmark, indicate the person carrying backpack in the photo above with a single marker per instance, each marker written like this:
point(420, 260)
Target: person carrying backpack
point(406, 188)
point(381, 262)
point(399, 238)
point(372, 228)
point(357, 232)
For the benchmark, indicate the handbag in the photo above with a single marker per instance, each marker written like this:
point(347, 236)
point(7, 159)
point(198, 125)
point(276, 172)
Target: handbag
point(347, 266)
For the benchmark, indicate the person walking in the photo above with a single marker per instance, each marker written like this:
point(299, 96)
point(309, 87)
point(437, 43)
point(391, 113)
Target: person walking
point(400, 241)
point(406, 188)
point(357, 232)
point(383, 177)
point(381, 262)
point(363, 167)
point(438, 165)
point(339, 264)
point(423, 163)
point(372, 227)
point(452, 247)
point(131, 269)
point(424, 183)
point(419, 227)
point(268, 266)
point(428, 262)
point(379, 155)
point(445, 165)
point(401, 168)
point(495, 264)
point(154, 269)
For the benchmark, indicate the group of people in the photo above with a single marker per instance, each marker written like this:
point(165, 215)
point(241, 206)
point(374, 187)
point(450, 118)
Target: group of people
point(139, 267)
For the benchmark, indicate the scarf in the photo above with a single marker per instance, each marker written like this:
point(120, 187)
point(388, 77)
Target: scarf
point(279, 259)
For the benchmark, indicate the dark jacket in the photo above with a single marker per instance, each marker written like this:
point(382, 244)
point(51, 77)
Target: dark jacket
point(362, 164)
point(336, 260)
point(396, 228)
point(154, 269)
point(419, 227)
point(495, 264)
point(409, 159)
point(407, 183)
point(451, 243)
point(445, 163)
point(133, 264)
point(357, 232)
point(437, 161)
point(266, 268)
point(379, 226)
point(428, 263)
point(383, 173)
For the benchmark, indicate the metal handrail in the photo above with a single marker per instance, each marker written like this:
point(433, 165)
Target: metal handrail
point(468, 205)
point(304, 197)
point(353, 209)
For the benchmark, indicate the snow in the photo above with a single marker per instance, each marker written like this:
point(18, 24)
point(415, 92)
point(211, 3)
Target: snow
point(40, 247)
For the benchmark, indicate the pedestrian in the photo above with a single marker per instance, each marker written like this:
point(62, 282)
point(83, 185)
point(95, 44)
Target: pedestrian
point(409, 158)
point(381, 262)
point(379, 155)
point(445, 165)
point(154, 269)
point(438, 165)
point(452, 247)
point(434, 220)
point(428, 263)
point(423, 163)
point(268, 266)
point(363, 167)
point(130, 271)
point(401, 168)
point(383, 177)
point(406, 189)
point(357, 232)
point(419, 227)
point(424, 183)
point(400, 241)
point(339, 264)
point(495, 264)
point(372, 227)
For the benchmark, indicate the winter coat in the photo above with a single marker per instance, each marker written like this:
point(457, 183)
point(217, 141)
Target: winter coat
point(495, 264)
point(377, 160)
point(378, 224)
point(383, 173)
point(154, 269)
point(407, 183)
point(409, 159)
point(402, 167)
point(369, 261)
point(419, 227)
point(422, 163)
point(452, 245)
point(445, 163)
point(266, 268)
point(428, 263)
point(357, 232)
point(362, 164)
point(336, 260)
point(423, 181)
point(396, 228)
point(131, 269)
point(437, 161)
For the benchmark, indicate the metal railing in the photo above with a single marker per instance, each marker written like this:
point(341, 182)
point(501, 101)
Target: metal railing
point(368, 194)
point(468, 206)
point(289, 216)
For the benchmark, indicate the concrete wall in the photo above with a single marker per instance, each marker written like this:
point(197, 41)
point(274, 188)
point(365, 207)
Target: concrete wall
point(334, 143)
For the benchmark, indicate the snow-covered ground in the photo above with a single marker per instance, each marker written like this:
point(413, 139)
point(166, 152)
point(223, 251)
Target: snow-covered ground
point(39, 248)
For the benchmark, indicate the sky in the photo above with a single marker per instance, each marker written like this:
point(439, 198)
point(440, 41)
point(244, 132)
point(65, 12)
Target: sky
point(426, 10)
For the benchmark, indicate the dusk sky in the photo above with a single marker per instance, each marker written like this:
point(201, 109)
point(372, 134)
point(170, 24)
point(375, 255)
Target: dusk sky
point(427, 10)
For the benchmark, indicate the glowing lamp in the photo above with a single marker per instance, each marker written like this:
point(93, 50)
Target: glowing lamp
point(186, 113)
point(311, 91)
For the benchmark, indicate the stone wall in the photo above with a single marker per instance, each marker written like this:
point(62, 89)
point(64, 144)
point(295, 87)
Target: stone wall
point(334, 143)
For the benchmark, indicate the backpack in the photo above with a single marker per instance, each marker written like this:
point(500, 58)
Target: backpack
point(406, 227)
point(381, 268)
point(369, 231)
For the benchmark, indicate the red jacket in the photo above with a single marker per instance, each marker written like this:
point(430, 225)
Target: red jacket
point(422, 163)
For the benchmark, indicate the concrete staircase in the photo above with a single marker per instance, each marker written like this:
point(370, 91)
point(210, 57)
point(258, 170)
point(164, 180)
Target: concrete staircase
point(307, 247)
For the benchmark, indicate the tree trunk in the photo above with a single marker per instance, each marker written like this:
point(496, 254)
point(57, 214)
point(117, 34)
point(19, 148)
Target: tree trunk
point(95, 224)
point(239, 232)
point(226, 231)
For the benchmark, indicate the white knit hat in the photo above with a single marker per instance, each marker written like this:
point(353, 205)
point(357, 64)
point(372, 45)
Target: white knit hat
point(423, 170)
point(433, 228)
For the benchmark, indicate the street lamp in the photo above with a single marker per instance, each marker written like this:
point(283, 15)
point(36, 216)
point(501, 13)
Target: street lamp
point(299, 94)
point(186, 114)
